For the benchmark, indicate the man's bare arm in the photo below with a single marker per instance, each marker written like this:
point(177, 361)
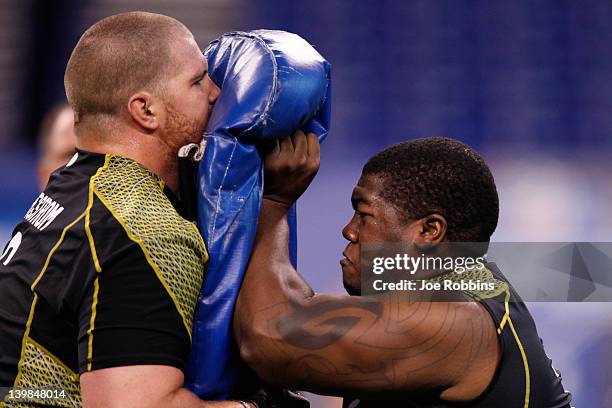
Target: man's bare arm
point(350, 345)
point(146, 386)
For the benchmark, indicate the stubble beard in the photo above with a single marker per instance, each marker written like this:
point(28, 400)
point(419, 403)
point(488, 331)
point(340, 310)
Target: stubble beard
point(181, 130)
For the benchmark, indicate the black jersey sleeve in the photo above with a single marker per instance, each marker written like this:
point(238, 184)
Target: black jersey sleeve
point(126, 315)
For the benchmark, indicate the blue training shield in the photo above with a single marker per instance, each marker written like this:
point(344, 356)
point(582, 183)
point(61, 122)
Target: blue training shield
point(272, 83)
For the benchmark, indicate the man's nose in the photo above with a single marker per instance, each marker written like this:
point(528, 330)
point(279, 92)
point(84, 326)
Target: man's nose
point(349, 232)
point(215, 91)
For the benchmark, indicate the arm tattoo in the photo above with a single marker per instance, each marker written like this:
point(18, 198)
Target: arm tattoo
point(322, 324)
point(399, 338)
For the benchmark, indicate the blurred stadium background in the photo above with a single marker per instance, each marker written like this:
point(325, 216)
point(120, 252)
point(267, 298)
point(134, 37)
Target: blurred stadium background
point(528, 84)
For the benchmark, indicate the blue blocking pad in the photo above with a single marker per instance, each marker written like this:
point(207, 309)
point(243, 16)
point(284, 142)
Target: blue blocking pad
point(272, 83)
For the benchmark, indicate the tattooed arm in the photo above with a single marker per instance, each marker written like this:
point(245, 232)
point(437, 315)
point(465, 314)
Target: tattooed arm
point(349, 345)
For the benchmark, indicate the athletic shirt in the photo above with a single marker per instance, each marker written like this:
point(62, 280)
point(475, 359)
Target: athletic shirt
point(102, 272)
point(525, 377)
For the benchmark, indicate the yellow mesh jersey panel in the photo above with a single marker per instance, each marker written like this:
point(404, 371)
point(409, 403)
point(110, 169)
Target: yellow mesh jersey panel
point(40, 369)
point(476, 274)
point(172, 245)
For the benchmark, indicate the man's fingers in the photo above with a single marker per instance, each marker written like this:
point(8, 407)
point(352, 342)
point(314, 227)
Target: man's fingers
point(314, 147)
point(300, 144)
point(286, 146)
point(297, 150)
point(276, 149)
point(291, 166)
point(272, 150)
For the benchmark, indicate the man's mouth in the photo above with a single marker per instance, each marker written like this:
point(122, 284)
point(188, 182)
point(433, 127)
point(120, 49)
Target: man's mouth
point(345, 261)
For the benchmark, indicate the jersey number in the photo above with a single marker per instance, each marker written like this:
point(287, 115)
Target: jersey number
point(11, 248)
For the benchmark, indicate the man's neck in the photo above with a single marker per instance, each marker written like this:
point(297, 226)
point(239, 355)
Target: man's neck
point(147, 150)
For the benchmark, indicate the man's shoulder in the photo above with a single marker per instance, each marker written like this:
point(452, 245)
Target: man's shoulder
point(172, 246)
point(126, 187)
point(136, 198)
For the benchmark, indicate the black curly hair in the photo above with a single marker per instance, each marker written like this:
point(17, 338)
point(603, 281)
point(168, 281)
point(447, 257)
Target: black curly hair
point(440, 175)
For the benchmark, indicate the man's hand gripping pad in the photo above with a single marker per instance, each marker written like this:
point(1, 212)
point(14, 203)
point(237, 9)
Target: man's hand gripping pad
point(272, 83)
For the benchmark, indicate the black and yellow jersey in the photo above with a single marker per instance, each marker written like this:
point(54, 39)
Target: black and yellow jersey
point(102, 272)
point(525, 377)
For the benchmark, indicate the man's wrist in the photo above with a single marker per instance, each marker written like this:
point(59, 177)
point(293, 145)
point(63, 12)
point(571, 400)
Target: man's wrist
point(276, 202)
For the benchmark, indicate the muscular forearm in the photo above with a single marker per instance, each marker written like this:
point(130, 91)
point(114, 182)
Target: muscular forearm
point(270, 277)
point(271, 286)
point(142, 386)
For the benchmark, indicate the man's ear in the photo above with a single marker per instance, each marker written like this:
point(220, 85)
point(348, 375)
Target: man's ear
point(431, 231)
point(144, 110)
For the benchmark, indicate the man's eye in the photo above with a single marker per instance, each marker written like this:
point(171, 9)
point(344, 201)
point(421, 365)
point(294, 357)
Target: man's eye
point(199, 81)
